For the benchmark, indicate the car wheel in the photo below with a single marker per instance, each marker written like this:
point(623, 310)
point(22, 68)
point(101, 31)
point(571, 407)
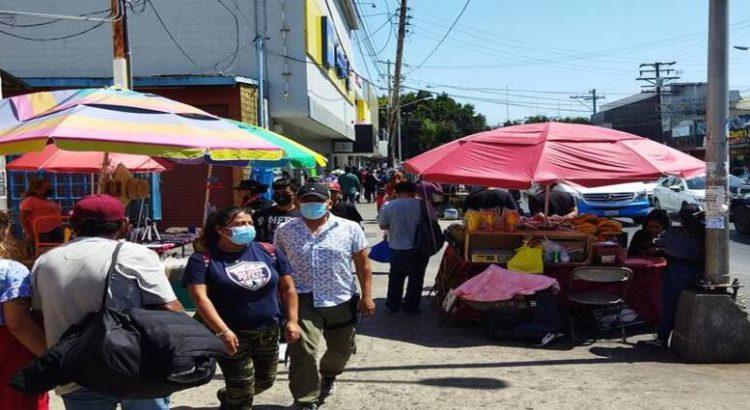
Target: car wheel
point(657, 204)
point(741, 217)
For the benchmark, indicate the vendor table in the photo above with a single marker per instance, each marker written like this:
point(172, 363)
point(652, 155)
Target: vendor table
point(170, 242)
point(643, 296)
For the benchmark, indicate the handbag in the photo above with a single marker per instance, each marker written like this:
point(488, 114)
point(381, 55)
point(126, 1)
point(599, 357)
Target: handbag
point(527, 259)
point(381, 252)
point(429, 238)
point(132, 354)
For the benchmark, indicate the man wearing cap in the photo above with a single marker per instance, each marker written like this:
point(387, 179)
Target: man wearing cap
point(320, 248)
point(68, 281)
point(252, 195)
point(343, 209)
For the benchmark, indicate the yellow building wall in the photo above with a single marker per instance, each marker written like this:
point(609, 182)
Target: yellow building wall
point(314, 42)
point(363, 111)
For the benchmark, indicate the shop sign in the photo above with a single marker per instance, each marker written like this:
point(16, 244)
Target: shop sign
point(739, 129)
point(329, 42)
point(333, 54)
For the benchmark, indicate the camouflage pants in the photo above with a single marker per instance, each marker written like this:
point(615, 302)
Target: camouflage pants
point(252, 369)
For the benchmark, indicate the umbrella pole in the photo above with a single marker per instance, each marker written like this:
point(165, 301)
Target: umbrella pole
point(208, 193)
point(546, 200)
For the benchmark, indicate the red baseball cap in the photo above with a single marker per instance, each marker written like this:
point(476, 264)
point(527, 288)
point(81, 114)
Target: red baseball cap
point(334, 186)
point(105, 208)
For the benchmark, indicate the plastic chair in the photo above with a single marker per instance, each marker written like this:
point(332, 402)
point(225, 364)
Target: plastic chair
point(613, 299)
point(41, 247)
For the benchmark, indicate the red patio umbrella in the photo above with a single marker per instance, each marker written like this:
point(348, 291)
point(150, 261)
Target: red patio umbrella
point(53, 159)
point(517, 156)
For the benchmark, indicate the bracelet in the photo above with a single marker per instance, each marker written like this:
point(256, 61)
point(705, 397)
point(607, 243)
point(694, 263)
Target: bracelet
point(220, 334)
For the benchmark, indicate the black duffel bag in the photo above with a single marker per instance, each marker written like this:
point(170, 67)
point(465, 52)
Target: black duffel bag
point(132, 354)
point(428, 238)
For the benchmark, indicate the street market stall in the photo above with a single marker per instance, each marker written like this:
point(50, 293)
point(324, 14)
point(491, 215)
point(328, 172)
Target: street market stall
point(517, 157)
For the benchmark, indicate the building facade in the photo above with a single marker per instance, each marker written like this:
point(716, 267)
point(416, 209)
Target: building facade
point(205, 53)
point(678, 119)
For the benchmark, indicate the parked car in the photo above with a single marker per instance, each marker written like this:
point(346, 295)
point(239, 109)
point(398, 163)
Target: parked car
point(629, 200)
point(673, 192)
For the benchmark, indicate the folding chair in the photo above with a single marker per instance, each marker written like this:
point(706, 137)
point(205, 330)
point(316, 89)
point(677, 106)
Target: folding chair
point(39, 246)
point(617, 276)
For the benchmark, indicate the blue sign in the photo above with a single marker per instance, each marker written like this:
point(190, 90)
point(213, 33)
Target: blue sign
point(329, 42)
point(333, 54)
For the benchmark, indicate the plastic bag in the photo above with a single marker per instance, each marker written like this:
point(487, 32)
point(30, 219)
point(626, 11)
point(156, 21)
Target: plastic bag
point(527, 259)
point(381, 252)
point(555, 253)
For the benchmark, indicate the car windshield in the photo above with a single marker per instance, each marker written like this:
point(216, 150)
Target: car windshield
point(696, 183)
point(700, 182)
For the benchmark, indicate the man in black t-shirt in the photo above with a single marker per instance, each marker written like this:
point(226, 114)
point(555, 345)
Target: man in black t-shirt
point(343, 209)
point(252, 195)
point(267, 220)
point(488, 198)
point(561, 203)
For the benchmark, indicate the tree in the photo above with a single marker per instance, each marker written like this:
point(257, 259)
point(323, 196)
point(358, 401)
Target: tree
point(428, 121)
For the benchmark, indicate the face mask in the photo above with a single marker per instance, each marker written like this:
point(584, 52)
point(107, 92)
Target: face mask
point(313, 210)
point(282, 199)
point(242, 235)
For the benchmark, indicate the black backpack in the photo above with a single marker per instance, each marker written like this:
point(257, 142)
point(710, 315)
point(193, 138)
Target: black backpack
point(429, 238)
point(133, 354)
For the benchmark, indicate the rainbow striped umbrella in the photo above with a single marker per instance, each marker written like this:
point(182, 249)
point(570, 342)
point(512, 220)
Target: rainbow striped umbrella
point(124, 121)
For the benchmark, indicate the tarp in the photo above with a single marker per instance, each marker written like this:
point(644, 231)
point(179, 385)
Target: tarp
point(515, 157)
point(53, 159)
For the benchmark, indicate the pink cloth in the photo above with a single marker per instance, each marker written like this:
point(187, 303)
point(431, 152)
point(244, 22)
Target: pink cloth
point(496, 284)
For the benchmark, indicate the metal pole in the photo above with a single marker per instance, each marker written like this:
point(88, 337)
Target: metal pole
point(717, 149)
point(261, 81)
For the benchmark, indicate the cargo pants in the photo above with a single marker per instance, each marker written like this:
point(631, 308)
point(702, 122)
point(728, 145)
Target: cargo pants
point(336, 324)
point(251, 370)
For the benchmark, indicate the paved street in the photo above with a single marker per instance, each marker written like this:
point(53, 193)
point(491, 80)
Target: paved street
point(408, 362)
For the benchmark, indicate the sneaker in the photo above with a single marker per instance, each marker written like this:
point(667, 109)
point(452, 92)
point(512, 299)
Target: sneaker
point(307, 406)
point(548, 338)
point(327, 388)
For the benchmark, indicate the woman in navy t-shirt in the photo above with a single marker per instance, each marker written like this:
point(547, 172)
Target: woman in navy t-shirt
point(236, 284)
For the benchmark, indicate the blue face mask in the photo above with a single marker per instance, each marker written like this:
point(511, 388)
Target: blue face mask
point(242, 235)
point(313, 210)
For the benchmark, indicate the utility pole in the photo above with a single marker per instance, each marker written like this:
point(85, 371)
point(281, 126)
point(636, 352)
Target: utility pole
point(121, 70)
point(657, 77)
point(590, 97)
point(389, 107)
point(260, 46)
point(392, 124)
point(717, 148)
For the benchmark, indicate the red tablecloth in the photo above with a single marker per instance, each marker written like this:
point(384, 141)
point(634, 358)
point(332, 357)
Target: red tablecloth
point(643, 296)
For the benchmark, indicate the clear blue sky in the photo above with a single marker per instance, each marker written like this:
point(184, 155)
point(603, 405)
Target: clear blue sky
point(545, 50)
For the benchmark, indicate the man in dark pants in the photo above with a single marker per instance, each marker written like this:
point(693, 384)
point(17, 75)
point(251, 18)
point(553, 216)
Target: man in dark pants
point(400, 217)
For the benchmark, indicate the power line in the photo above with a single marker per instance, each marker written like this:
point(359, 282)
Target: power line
point(65, 37)
point(12, 20)
point(461, 13)
point(171, 37)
